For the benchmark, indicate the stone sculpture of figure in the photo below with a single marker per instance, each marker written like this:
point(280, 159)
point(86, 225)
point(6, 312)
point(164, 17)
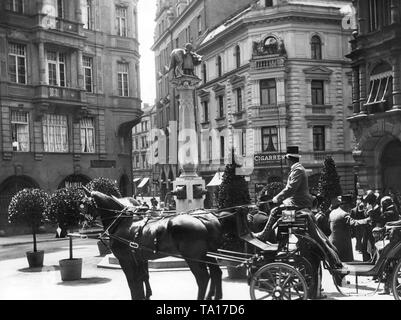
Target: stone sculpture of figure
point(183, 61)
point(281, 48)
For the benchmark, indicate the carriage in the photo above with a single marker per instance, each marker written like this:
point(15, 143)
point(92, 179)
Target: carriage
point(287, 270)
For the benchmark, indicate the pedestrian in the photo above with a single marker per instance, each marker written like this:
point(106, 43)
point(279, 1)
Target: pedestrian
point(322, 216)
point(357, 213)
point(372, 210)
point(340, 225)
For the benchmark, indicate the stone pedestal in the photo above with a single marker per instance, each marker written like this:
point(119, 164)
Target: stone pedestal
point(188, 157)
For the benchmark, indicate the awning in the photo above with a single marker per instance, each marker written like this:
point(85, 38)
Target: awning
point(137, 179)
point(143, 182)
point(217, 180)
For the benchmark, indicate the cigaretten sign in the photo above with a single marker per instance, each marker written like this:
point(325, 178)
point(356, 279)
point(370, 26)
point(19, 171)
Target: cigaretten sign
point(262, 159)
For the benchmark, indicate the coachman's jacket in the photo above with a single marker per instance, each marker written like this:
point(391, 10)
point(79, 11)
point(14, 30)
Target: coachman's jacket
point(296, 193)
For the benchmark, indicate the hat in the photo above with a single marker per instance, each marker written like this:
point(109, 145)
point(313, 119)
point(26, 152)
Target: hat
point(369, 197)
point(293, 152)
point(347, 199)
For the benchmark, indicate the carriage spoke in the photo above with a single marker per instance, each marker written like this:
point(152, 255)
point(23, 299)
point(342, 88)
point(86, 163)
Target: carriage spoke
point(265, 296)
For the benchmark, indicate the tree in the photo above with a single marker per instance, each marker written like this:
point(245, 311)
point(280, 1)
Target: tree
point(329, 183)
point(105, 186)
point(233, 190)
point(64, 208)
point(28, 207)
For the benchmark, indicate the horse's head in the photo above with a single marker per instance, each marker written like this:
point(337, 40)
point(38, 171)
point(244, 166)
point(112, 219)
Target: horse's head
point(99, 204)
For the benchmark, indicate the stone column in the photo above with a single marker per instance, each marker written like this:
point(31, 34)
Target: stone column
point(355, 89)
point(42, 64)
point(188, 156)
point(397, 82)
point(362, 88)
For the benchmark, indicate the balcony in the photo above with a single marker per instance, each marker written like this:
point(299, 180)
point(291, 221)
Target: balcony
point(60, 94)
point(267, 62)
point(63, 25)
point(273, 113)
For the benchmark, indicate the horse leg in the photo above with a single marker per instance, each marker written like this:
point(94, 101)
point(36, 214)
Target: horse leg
point(199, 270)
point(146, 281)
point(215, 281)
point(130, 268)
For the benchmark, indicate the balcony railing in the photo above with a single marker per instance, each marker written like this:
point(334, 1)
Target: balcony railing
point(267, 63)
point(67, 26)
point(59, 93)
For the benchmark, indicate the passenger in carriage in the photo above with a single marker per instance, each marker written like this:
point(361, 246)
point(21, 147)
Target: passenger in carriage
point(341, 222)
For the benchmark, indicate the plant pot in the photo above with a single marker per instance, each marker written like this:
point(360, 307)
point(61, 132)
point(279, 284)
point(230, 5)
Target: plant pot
point(236, 273)
point(103, 249)
point(71, 269)
point(35, 259)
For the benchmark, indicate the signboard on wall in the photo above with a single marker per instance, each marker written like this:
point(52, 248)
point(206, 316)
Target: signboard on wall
point(264, 159)
point(103, 164)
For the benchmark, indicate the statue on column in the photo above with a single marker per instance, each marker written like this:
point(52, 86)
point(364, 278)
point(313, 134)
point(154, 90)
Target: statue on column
point(184, 61)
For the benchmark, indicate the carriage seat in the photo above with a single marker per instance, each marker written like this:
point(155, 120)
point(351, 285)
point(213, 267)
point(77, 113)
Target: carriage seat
point(358, 269)
point(264, 246)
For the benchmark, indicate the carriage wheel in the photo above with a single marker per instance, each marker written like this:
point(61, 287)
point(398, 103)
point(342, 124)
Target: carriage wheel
point(278, 281)
point(397, 282)
point(305, 268)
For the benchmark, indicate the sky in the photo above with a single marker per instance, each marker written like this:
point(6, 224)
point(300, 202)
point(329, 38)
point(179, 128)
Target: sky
point(146, 26)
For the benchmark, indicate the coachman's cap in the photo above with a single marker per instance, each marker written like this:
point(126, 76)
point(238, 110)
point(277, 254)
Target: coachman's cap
point(369, 197)
point(293, 152)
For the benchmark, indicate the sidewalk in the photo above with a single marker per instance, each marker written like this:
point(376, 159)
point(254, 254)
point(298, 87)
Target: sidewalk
point(27, 238)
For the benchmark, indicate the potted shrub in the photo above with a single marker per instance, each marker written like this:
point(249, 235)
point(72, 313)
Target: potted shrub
point(28, 207)
point(64, 209)
point(232, 192)
point(106, 186)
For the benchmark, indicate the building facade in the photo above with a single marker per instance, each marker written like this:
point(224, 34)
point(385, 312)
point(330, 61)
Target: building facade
point(376, 121)
point(69, 93)
point(144, 182)
point(179, 22)
point(275, 75)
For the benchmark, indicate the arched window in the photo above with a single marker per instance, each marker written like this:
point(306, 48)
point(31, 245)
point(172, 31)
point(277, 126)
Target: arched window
point(219, 66)
point(238, 56)
point(316, 48)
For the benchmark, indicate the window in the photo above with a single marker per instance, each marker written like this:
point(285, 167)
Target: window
point(239, 99)
point(56, 68)
point(15, 5)
point(268, 92)
point(222, 148)
point(123, 69)
point(381, 85)
point(55, 133)
point(87, 14)
point(145, 165)
point(220, 100)
point(317, 92)
point(60, 9)
point(238, 56)
point(379, 14)
point(269, 139)
point(88, 73)
point(319, 138)
point(121, 19)
point(268, 3)
point(204, 73)
point(316, 48)
point(137, 162)
point(17, 63)
point(177, 43)
point(20, 131)
point(219, 66)
point(199, 25)
point(210, 150)
point(87, 135)
point(243, 143)
point(205, 111)
point(136, 143)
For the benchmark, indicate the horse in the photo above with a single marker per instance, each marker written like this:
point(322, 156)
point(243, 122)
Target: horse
point(188, 236)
